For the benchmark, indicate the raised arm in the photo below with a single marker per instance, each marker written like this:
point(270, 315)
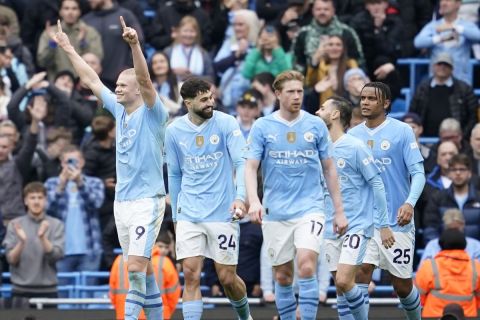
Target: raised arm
point(85, 72)
point(147, 89)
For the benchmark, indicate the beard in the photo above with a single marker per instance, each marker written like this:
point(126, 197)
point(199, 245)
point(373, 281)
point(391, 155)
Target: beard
point(205, 113)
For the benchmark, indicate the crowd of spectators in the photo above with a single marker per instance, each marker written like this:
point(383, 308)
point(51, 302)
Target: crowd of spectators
point(54, 133)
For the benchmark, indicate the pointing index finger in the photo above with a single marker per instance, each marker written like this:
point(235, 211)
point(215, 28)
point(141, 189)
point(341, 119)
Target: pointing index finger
point(122, 22)
point(59, 25)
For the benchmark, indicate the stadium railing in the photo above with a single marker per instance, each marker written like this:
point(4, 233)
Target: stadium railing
point(419, 69)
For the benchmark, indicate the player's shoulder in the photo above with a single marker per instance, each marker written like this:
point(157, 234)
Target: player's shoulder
point(265, 122)
point(395, 124)
point(311, 122)
point(353, 141)
point(176, 123)
point(357, 129)
point(223, 119)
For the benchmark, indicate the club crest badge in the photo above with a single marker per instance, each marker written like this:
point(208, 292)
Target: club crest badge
point(385, 145)
point(308, 136)
point(214, 139)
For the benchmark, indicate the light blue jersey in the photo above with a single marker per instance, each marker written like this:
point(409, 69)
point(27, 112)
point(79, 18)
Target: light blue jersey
point(140, 138)
point(355, 167)
point(290, 154)
point(202, 161)
point(394, 148)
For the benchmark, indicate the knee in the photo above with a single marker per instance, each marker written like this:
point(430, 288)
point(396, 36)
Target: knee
point(283, 278)
point(227, 278)
point(135, 264)
point(307, 270)
point(191, 276)
point(402, 287)
point(364, 274)
point(342, 283)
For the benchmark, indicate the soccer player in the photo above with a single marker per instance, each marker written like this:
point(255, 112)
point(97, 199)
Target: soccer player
point(362, 189)
point(396, 152)
point(204, 154)
point(293, 148)
point(140, 192)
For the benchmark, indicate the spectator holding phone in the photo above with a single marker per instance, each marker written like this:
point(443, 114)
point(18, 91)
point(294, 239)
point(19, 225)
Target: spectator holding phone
point(268, 56)
point(75, 198)
point(450, 34)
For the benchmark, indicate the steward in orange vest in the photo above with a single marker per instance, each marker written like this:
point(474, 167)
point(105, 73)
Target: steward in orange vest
point(165, 273)
point(450, 277)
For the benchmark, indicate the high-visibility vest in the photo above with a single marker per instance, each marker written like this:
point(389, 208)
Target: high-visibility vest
point(450, 277)
point(167, 279)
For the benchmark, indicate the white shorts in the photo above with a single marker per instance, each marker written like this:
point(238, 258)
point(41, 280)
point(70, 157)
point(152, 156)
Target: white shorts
point(282, 238)
point(138, 223)
point(218, 241)
point(350, 249)
point(397, 260)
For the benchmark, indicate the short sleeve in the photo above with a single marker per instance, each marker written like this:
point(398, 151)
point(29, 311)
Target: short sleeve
point(324, 144)
point(158, 111)
point(110, 101)
point(235, 139)
point(255, 143)
point(411, 151)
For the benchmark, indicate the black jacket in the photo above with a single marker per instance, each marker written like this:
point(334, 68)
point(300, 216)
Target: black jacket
point(168, 16)
point(379, 46)
point(463, 104)
point(441, 201)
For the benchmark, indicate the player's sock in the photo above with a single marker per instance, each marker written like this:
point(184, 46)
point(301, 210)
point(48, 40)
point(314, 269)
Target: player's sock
point(153, 300)
point(364, 288)
point(285, 301)
point(192, 310)
point(411, 305)
point(308, 297)
point(343, 309)
point(356, 303)
point(241, 308)
point(136, 295)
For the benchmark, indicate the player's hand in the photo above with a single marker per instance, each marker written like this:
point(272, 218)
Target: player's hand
point(61, 38)
point(129, 34)
point(256, 212)
point(43, 229)
point(340, 224)
point(238, 210)
point(22, 236)
point(269, 297)
point(405, 214)
point(388, 240)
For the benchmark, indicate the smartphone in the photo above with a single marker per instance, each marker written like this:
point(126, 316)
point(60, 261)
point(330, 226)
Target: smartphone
point(72, 162)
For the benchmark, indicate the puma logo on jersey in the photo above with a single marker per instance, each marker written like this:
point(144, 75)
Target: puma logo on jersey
point(272, 137)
